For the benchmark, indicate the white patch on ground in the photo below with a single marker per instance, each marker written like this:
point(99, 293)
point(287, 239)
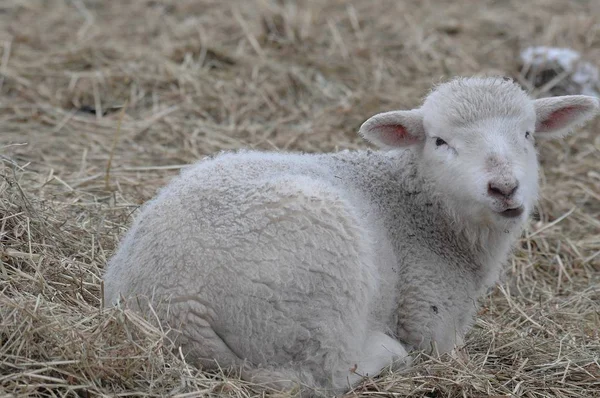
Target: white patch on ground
point(583, 76)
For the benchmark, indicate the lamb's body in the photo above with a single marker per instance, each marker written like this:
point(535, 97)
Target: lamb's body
point(354, 266)
point(300, 266)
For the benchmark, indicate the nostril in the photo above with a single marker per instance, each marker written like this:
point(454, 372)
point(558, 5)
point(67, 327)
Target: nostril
point(493, 190)
point(504, 190)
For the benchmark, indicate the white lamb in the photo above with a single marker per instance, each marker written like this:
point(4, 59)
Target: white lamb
point(317, 269)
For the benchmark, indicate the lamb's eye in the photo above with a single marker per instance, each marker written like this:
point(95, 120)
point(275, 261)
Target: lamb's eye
point(527, 134)
point(440, 142)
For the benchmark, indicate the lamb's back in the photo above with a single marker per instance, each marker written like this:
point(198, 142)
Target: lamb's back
point(241, 239)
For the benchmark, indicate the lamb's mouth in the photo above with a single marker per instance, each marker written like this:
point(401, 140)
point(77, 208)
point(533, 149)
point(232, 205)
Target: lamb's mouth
point(512, 213)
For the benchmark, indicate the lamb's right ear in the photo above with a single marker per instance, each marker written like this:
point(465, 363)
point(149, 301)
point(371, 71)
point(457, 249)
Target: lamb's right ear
point(394, 129)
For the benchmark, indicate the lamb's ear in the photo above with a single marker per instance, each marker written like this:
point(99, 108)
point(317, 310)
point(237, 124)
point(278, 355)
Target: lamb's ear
point(557, 116)
point(395, 128)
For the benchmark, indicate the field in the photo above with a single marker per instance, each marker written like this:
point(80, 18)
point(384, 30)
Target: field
point(101, 103)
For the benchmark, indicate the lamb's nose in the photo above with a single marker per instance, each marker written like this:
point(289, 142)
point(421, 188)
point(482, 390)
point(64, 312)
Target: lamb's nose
point(502, 189)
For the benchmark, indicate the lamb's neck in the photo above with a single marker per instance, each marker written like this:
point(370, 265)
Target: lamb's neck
point(491, 241)
point(493, 246)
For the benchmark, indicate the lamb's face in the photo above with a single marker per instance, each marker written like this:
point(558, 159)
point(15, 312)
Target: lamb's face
point(475, 136)
point(487, 167)
point(479, 148)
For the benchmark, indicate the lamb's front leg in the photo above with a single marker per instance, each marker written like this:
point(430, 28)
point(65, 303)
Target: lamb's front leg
point(378, 352)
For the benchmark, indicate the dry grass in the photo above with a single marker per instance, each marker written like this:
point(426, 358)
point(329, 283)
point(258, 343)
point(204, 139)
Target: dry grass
point(184, 79)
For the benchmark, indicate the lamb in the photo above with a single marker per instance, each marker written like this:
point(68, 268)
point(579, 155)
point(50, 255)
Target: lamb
point(314, 270)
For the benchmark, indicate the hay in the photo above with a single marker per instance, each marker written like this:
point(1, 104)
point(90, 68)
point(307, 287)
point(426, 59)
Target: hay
point(152, 85)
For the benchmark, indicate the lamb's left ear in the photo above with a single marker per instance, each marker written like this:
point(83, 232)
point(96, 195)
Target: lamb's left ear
point(557, 116)
point(394, 129)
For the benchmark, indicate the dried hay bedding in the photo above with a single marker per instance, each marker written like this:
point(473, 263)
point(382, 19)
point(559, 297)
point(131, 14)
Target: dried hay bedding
point(102, 102)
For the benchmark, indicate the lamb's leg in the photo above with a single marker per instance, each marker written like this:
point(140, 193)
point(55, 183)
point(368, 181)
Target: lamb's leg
point(379, 352)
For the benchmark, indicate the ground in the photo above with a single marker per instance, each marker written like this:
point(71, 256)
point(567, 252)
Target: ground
point(102, 102)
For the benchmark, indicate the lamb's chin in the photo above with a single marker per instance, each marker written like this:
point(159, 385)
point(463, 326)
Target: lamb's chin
point(483, 220)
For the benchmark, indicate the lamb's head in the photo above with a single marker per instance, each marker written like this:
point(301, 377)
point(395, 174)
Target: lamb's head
point(475, 140)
